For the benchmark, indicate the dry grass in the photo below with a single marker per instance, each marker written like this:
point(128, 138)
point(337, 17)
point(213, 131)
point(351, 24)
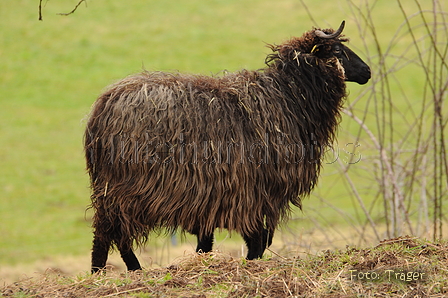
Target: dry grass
point(328, 274)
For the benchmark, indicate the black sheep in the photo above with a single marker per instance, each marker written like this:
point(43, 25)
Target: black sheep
point(170, 150)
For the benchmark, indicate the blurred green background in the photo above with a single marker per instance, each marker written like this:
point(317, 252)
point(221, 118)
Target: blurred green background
point(51, 71)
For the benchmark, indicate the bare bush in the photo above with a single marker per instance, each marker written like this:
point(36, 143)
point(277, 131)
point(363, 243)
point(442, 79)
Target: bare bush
point(402, 182)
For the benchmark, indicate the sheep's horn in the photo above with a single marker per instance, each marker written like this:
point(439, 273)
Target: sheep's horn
point(321, 34)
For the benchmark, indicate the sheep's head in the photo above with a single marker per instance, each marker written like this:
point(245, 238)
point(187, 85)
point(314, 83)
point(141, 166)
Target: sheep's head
point(326, 44)
point(329, 43)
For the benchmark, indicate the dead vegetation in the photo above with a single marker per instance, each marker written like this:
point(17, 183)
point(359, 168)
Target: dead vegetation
point(400, 267)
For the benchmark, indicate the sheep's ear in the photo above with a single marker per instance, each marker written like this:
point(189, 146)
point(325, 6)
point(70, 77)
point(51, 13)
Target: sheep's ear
point(316, 48)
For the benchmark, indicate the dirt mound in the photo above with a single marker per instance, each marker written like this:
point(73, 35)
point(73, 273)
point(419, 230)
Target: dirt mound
point(401, 267)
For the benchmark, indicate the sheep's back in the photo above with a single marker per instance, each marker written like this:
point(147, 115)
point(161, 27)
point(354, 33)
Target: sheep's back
point(196, 152)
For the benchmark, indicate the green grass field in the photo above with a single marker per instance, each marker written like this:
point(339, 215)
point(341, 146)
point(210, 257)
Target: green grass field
point(52, 71)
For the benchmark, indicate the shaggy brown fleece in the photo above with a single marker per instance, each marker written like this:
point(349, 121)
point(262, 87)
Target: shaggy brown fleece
point(198, 153)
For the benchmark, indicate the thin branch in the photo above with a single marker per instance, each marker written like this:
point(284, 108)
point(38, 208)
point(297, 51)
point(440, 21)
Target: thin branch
point(74, 9)
point(361, 203)
point(310, 15)
point(40, 10)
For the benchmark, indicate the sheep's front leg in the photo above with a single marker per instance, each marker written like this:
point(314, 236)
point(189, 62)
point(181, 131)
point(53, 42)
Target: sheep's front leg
point(129, 258)
point(257, 243)
point(205, 243)
point(124, 245)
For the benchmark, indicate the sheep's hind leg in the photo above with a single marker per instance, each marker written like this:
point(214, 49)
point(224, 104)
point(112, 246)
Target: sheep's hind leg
point(257, 243)
point(100, 252)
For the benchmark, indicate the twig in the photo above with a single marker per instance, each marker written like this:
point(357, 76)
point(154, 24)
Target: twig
point(290, 293)
point(40, 10)
point(361, 203)
point(309, 13)
point(127, 291)
point(399, 239)
point(74, 9)
point(270, 250)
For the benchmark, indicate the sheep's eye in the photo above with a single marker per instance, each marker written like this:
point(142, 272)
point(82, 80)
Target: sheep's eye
point(337, 51)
